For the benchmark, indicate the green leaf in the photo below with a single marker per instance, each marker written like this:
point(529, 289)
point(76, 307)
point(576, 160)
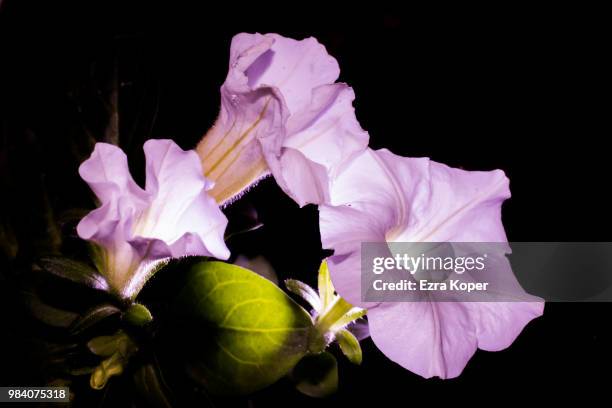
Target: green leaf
point(326, 288)
point(74, 271)
point(48, 314)
point(138, 315)
point(106, 346)
point(117, 349)
point(92, 317)
point(110, 367)
point(349, 345)
point(316, 375)
point(254, 332)
point(305, 292)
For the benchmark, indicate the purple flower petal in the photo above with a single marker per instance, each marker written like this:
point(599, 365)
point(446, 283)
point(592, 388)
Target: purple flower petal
point(320, 142)
point(181, 213)
point(381, 197)
point(280, 112)
point(437, 339)
point(362, 208)
point(294, 67)
point(108, 175)
point(174, 216)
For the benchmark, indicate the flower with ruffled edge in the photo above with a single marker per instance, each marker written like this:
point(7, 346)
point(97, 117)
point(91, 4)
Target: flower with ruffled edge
point(172, 217)
point(281, 113)
point(382, 197)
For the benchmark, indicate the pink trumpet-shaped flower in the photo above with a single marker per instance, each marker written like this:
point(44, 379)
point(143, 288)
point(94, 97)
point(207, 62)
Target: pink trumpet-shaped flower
point(282, 113)
point(382, 197)
point(172, 217)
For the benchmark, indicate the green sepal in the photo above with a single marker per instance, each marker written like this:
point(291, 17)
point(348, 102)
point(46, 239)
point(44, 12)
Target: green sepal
point(92, 317)
point(305, 292)
point(349, 345)
point(325, 286)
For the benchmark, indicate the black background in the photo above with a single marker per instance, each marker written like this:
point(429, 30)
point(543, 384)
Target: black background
point(520, 90)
